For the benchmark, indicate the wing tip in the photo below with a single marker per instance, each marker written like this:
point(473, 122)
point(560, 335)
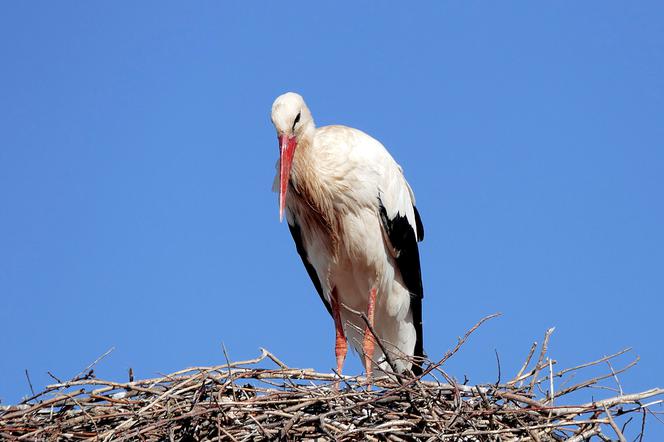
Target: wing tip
point(419, 225)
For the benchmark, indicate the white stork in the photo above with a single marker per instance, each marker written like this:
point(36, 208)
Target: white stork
point(353, 218)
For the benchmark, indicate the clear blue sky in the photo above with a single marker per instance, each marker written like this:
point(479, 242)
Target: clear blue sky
point(137, 156)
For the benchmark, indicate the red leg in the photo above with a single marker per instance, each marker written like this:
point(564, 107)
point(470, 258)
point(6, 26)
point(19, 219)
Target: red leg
point(340, 345)
point(368, 345)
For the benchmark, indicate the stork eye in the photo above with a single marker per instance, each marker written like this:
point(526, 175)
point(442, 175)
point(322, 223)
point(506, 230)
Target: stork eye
point(297, 120)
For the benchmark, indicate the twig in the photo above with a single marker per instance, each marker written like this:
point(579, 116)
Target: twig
point(498, 365)
point(525, 364)
point(93, 363)
point(585, 435)
point(272, 357)
point(463, 339)
point(551, 392)
point(230, 373)
point(27, 376)
point(596, 379)
point(621, 437)
point(595, 362)
point(52, 376)
point(545, 345)
point(615, 376)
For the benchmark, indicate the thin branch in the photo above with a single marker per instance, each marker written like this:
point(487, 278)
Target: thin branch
point(545, 346)
point(93, 363)
point(27, 376)
point(525, 364)
point(621, 436)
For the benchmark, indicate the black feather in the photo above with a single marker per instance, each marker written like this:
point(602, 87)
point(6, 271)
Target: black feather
point(297, 237)
point(404, 240)
point(418, 223)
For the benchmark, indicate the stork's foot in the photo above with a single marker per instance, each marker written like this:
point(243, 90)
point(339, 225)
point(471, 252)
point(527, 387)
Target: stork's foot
point(340, 344)
point(369, 343)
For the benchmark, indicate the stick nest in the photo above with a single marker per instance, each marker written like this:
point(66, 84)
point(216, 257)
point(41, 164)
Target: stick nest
point(244, 401)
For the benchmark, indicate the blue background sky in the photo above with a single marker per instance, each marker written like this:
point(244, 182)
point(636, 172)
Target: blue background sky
point(137, 156)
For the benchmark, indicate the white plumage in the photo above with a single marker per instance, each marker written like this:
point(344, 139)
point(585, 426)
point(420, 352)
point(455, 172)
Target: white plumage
point(353, 218)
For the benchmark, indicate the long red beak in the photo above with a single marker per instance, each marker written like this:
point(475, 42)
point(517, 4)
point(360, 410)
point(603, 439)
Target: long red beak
point(287, 147)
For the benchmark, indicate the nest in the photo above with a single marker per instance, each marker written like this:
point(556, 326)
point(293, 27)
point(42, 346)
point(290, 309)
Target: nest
point(246, 401)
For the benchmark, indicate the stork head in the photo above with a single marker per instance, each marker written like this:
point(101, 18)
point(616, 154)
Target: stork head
point(295, 127)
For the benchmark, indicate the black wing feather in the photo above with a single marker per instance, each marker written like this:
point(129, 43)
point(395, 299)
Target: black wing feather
point(404, 240)
point(420, 227)
point(297, 237)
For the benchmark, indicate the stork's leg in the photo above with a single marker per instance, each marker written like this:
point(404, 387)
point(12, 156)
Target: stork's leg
point(340, 345)
point(369, 344)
